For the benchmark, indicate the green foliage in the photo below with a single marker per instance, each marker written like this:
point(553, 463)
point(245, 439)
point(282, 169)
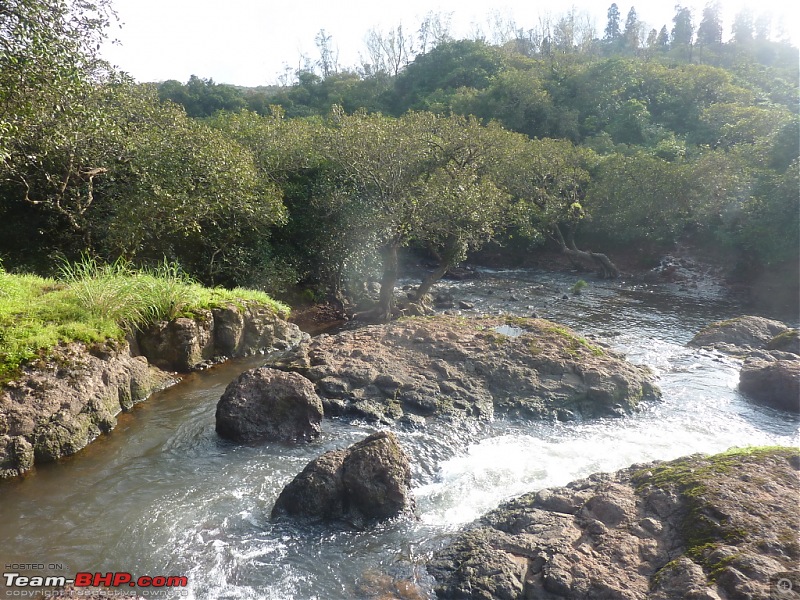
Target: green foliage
point(313, 183)
point(202, 97)
point(578, 287)
point(96, 302)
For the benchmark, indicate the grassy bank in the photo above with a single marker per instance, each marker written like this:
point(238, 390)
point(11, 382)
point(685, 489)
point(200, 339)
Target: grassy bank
point(92, 302)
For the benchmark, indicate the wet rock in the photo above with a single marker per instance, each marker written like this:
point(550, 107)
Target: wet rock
point(450, 366)
point(741, 333)
point(369, 481)
point(772, 381)
point(269, 405)
point(62, 403)
point(185, 344)
point(724, 534)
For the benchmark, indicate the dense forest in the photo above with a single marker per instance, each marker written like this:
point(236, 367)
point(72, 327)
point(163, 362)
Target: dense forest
point(628, 140)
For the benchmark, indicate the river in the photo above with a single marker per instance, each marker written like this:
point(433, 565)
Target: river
point(163, 495)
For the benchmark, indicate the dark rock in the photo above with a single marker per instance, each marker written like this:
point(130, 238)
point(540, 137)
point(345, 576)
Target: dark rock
point(368, 481)
point(771, 381)
point(724, 534)
point(742, 332)
point(269, 405)
point(446, 366)
point(465, 305)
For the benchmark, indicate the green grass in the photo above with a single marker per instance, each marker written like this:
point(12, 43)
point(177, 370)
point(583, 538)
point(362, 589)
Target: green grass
point(92, 302)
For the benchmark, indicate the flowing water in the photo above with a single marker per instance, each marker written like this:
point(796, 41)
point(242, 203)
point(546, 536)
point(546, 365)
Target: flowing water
point(163, 495)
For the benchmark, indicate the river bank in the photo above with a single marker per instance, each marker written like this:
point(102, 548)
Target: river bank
point(73, 393)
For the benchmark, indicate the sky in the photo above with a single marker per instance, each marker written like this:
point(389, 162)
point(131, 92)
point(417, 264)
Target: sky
point(251, 42)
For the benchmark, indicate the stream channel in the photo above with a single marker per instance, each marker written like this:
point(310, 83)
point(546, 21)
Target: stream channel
point(163, 495)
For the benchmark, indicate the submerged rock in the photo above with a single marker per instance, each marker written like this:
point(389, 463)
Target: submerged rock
point(269, 405)
point(698, 527)
point(368, 481)
point(467, 367)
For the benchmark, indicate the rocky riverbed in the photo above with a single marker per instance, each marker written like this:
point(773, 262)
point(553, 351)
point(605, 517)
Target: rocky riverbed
point(415, 368)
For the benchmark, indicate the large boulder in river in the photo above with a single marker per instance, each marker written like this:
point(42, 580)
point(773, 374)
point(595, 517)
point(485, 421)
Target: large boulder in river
point(772, 378)
point(269, 405)
point(699, 527)
point(434, 366)
point(368, 481)
point(741, 333)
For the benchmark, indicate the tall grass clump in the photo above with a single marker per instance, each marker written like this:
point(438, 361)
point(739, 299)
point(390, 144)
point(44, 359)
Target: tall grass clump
point(94, 302)
point(128, 296)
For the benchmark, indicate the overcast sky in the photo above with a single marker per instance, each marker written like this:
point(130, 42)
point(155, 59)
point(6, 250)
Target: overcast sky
point(250, 42)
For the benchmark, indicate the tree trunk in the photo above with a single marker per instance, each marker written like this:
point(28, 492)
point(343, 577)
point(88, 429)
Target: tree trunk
point(454, 251)
point(606, 268)
point(389, 278)
point(431, 279)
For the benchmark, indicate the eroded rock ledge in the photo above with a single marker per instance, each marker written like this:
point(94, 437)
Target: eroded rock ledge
point(62, 403)
point(433, 366)
point(698, 527)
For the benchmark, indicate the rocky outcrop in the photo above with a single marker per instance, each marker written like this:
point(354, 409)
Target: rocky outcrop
point(423, 367)
point(739, 334)
point(699, 527)
point(773, 379)
point(770, 374)
point(269, 405)
point(184, 344)
point(366, 482)
point(62, 403)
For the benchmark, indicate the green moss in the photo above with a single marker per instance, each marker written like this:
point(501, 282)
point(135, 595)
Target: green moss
point(494, 338)
point(578, 287)
point(702, 534)
point(574, 341)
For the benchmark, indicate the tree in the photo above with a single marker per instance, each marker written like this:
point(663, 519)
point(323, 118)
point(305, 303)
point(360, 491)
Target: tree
point(662, 41)
point(434, 30)
point(49, 71)
point(709, 33)
point(631, 36)
point(416, 178)
point(178, 188)
point(743, 27)
point(389, 51)
point(328, 56)
point(683, 29)
point(612, 31)
point(202, 97)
